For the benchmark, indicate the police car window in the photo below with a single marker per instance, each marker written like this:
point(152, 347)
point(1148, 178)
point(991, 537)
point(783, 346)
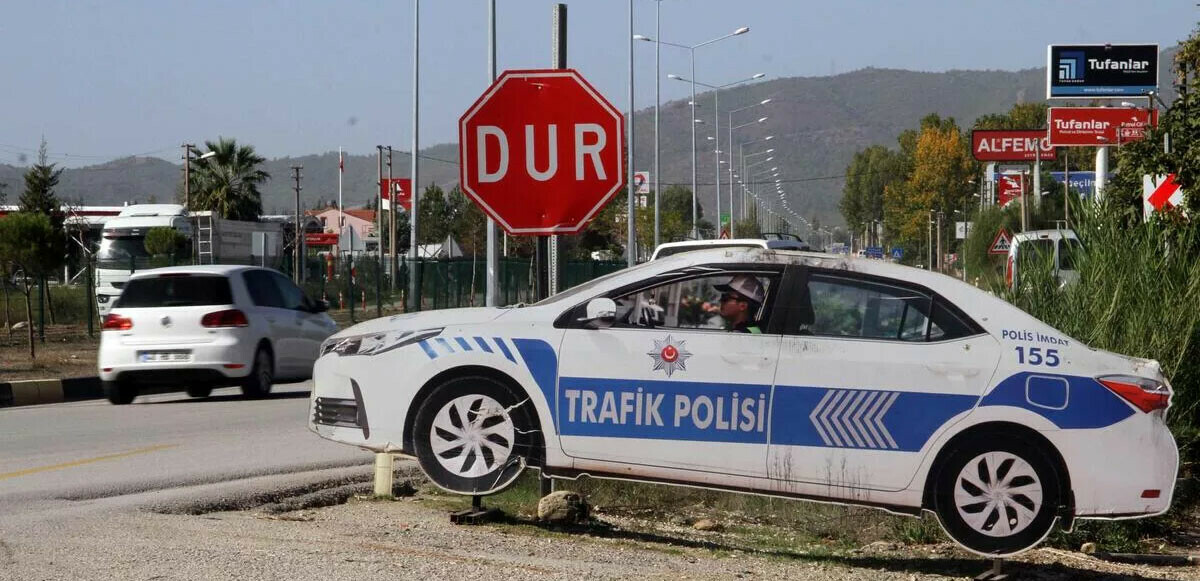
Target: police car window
point(854, 308)
point(693, 303)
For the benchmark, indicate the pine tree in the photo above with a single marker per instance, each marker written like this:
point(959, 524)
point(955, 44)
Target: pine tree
point(40, 181)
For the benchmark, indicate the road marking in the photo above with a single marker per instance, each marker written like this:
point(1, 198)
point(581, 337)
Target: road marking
point(29, 471)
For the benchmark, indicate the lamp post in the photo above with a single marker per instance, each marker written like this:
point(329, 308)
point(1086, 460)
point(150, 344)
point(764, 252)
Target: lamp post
point(717, 133)
point(692, 53)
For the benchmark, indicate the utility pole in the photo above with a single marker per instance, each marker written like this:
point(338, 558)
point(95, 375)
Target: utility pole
point(393, 263)
point(413, 299)
point(379, 199)
point(298, 239)
point(631, 240)
point(187, 177)
point(939, 241)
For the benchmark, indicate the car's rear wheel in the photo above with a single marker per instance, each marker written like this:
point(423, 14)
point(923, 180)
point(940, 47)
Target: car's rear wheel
point(200, 391)
point(997, 497)
point(262, 374)
point(473, 435)
point(119, 393)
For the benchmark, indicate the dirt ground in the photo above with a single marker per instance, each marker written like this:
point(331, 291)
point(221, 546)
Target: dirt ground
point(67, 352)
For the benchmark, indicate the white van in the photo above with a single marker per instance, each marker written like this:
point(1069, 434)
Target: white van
point(1062, 246)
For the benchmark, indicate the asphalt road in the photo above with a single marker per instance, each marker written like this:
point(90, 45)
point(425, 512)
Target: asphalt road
point(54, 454)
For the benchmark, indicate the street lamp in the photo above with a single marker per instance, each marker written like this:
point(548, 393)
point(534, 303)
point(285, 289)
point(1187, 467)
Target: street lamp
point(692, 53)
point(717, 132)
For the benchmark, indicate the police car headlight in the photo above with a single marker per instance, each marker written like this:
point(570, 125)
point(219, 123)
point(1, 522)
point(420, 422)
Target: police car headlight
point(375, 343)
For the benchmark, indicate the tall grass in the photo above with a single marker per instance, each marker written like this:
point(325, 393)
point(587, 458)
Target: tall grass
point(1139, 295)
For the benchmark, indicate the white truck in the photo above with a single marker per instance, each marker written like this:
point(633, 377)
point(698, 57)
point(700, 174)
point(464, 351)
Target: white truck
point(213, 240)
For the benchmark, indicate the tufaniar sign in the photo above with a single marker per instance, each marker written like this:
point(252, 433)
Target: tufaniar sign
point(1101, 70)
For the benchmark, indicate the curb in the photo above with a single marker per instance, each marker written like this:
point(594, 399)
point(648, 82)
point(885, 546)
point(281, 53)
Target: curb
point(40, 391)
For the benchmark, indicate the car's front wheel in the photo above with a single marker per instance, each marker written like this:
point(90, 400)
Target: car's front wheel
point(997, 497)
point(473, 435)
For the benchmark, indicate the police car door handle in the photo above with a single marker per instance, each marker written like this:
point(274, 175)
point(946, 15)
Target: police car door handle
point(952, 372)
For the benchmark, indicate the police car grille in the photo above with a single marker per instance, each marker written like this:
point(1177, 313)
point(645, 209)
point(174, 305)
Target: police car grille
point(333, 411)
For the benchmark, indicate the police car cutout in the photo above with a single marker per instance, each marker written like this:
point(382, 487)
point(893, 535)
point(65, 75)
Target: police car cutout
point(868, 383)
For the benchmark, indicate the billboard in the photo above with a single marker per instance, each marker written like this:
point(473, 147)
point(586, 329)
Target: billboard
point(1096, 126)
point(1101, 70)
point(1010, 144)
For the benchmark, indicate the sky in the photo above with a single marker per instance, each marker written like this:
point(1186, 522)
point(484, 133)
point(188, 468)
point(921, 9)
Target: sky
point(104, 79)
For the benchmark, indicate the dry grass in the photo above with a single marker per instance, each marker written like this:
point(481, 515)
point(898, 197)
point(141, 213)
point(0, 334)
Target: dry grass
point(67, 352)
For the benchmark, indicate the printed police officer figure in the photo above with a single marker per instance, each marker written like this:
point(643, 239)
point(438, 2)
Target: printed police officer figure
point(741, 299)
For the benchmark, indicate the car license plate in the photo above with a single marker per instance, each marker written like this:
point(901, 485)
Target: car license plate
point(164, 356)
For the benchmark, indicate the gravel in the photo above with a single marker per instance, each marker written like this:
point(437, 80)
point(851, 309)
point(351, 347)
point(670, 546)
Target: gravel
point(410, 538)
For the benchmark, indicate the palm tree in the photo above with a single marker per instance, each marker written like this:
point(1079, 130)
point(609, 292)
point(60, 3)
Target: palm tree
point(227, 183)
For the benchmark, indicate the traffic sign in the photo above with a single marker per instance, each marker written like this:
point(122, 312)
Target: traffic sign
point(962, 230)
point(1160, 193)
point(1001, 244)
point(874, 252)
point(641, 182)
point(1008, 188)
point(897, 253)
point(401, 187)
point(541, 151)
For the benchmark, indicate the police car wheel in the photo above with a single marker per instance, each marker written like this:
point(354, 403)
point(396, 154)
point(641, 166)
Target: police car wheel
point(997, 497)
point(472, 435)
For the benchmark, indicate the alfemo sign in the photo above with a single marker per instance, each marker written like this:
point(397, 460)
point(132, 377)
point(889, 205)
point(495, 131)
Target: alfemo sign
point(1101, 70)
point(1010, 144)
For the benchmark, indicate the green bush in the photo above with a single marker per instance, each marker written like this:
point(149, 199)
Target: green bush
point(163, 241)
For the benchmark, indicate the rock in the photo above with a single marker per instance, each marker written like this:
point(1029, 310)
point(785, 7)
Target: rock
point(1088, 548)
point(705, 524)
point(562, 507)
point(20, 325)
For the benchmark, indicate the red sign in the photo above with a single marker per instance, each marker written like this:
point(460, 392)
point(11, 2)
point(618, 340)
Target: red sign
point(1096, 126)
point(1166, 193)
point(541, 151)
point(1008, 188)
point(1010, 145)
point(1001, 243)
point(402, 188)
point(320, 238)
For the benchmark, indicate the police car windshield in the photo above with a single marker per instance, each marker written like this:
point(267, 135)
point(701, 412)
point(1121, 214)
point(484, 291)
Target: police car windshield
point(587, 286)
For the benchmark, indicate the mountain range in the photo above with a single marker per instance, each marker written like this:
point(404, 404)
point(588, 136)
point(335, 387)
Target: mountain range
point(818, 124)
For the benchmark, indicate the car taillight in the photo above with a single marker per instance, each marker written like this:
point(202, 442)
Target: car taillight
point(115, 322)
point(227, 318)
point(1144, 393)
point(1008, 271)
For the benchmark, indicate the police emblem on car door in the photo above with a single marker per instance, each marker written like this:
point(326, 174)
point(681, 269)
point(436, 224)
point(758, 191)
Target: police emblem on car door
point(670, 383)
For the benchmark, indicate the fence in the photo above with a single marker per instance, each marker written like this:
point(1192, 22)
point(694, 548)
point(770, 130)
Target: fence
point(440, 284)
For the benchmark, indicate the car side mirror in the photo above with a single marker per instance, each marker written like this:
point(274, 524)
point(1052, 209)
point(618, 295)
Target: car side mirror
point(600, 313)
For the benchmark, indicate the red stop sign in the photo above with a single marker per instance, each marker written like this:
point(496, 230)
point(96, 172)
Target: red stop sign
point(541, 151)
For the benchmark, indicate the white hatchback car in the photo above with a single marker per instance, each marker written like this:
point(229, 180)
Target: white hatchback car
point(193, 328)
point(869, 383)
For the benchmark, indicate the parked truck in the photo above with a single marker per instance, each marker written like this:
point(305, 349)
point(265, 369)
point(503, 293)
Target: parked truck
point(210, 240)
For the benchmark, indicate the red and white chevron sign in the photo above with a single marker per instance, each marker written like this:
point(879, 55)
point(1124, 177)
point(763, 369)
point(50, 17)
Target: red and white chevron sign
point(1160, 193)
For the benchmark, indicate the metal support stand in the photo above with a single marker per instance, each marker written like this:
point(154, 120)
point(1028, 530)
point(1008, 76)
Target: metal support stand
point(547, 484)
point(993, 574)
point(475, 515)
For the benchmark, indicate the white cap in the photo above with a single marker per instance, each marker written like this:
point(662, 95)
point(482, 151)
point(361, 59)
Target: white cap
point(745, 285)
